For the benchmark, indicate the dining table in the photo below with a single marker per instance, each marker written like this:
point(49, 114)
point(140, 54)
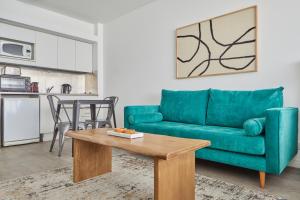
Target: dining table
point(76, 105)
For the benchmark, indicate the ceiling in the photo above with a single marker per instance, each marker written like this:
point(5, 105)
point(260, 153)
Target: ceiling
point(90, 10)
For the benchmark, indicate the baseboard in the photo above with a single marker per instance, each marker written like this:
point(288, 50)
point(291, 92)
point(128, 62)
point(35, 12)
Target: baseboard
point(296, 161)
point(47, 137)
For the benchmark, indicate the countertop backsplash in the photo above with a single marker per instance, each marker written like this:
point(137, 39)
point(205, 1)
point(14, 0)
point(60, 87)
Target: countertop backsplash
point(81, 83)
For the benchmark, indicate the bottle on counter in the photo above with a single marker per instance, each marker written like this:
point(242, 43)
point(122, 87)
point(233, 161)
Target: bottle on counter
point(34, 87)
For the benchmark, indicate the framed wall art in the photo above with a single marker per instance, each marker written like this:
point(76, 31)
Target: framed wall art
point(222, 45)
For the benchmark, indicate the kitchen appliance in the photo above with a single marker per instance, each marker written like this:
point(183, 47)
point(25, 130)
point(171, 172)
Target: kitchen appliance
point(9, 70)
point(34, 87)
point(66, 88)
point(15, 49)
point(20, 122)
point(9, 83)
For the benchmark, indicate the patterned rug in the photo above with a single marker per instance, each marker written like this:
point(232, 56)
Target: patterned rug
point(132, 178)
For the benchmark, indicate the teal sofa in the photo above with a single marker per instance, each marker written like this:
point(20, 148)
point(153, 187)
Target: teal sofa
point(249, 129)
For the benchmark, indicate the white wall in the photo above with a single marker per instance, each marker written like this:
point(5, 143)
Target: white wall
point(139, 50)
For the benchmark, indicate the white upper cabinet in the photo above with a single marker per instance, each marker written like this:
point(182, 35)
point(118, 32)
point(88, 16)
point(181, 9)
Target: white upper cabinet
point(46, 50)
point(50, 51)
point(17, 33)
point(84, 57)
point(66, 54)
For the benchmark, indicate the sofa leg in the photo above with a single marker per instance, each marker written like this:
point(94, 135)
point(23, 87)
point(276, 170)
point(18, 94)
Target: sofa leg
point(262, 179)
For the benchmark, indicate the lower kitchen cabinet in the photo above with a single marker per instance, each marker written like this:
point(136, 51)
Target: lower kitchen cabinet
point(20, 119)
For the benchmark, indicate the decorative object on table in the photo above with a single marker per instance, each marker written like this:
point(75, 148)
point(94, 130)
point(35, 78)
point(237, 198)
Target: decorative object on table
point(34, 86)
point(119, 184)
point(125, 133)
point(66, 88)
point(221, 45)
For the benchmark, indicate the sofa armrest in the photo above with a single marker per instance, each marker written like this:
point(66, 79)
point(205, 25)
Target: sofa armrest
point(131, 110)
point(281, 138)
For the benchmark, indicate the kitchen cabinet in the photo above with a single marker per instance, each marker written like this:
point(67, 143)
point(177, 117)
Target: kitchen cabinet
point(20, 119)
point(66, 54)
point(50, 51)
point(46, 50)
point(17, 33)
point(84, 57)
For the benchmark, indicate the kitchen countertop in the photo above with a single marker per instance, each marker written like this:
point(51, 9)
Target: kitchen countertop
point(44, 93)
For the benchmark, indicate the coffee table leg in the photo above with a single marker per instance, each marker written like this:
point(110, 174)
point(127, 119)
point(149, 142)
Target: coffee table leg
point(175, 178)
point(90, 160)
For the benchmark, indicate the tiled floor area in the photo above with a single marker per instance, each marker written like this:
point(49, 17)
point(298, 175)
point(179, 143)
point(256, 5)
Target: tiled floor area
point(27, 159)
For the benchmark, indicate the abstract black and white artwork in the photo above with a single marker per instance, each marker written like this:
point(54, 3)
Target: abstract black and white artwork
point(221, 45)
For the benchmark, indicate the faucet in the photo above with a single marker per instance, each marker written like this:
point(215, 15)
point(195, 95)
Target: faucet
point(49, 89)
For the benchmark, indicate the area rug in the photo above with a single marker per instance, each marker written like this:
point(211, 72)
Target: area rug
point(132, 178)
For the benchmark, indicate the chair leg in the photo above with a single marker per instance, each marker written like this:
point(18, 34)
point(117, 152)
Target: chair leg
point(86, 125)
point(262, 179)
point(93, 125)
point(63, 128)
point(54, 138)
point(61, 143)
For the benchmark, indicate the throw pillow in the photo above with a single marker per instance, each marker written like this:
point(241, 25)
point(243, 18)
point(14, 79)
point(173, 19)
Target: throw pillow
point(255, 126)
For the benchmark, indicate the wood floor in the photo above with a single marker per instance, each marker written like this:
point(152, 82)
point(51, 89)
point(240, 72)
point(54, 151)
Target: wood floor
point(27, 159)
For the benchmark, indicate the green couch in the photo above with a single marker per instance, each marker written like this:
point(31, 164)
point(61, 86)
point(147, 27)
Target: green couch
point(224, 118)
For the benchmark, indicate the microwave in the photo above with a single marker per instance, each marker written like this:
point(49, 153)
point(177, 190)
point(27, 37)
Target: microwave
point(15, 49)
point(10, 83)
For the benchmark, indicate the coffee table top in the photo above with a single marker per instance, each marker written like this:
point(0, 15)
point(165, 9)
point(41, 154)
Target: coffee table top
point(160, 146)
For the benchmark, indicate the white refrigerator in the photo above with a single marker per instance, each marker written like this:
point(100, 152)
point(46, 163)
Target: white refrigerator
point(20, 119)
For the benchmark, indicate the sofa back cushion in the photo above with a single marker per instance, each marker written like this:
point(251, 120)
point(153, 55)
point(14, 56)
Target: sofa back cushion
point(145, 118)
point(233, 108)
point(184, 106)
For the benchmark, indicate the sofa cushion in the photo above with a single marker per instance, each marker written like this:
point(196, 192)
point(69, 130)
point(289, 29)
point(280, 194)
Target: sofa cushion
point(255, 126)
point(224, 138)
point(184, 106)
point(232, 108)
point(146, 117)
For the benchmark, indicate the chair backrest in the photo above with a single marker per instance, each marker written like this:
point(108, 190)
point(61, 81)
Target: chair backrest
point(51, 99)
point(115, 100)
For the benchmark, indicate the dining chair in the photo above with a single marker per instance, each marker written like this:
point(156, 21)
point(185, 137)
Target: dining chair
point(60, 126)
point(106, 122)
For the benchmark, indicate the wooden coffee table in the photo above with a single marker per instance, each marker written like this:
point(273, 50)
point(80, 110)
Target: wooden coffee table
point(174, 159)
